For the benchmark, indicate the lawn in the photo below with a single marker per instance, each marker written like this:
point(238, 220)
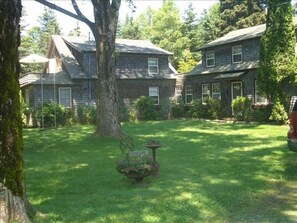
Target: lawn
point(209, 172)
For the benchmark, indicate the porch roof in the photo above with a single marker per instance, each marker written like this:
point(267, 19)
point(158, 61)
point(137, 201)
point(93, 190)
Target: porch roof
point(60, 78)
point(199, 69)
point(229, 75)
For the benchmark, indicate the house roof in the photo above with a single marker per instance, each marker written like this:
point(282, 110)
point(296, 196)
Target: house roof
point(239, 35)
point(199, 69)
point(60, 78)
point(69, 61)
point(122, 45)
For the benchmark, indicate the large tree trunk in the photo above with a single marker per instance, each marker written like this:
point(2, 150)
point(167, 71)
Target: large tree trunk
point(104, 31)
point(12, 196)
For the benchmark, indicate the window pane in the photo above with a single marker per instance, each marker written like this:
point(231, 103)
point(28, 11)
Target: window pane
point(153, 67)
point(205, 91)
point(154, 93)
point(237, 54)
point(188, 94)
point(260, 99)
point(210, 59)
point(216, 91)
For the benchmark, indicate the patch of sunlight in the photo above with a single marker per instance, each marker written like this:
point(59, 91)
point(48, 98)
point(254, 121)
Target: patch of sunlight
point(111, 157)
point(221, 181)
point(184, 196)
point(39, 200)
point(292, 213)
point(80, 166)
point(151, 218)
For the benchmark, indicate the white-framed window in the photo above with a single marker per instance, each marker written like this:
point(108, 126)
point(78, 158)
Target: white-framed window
point(153, 67)
point(216, 91)
point(205, 91)
point(259, 99)
point(188, 94)
point(237, 54)
point(154, 93)
point(65, 97)
point(210, 58)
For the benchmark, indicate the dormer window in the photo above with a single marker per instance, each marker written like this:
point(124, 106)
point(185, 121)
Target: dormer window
point(210, 59)
point(237, 54)
point(153, 67)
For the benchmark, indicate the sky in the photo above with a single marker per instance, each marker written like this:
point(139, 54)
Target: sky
point(34, 9)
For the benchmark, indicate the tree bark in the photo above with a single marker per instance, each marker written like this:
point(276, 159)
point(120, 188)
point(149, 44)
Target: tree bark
point(106, 19)
point(12, 193)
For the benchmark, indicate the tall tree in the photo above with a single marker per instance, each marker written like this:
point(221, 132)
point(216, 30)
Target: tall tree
point(30, 43)
point(166, 30)
point(104, 28)
point(208, 29)
point(76, 31)
point(129, 29)
point(12, 193)
point(48, 26)
point(277, 50)
point(236, 14)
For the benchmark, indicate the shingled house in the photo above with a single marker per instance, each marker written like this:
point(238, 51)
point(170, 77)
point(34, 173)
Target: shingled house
point(69, 77)
point(229, 69)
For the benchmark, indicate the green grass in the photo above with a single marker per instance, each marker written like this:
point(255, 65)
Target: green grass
point(209, 172)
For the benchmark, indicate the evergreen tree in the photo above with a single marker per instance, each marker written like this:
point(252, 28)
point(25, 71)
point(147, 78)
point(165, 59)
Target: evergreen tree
point(76, 31)
point(48, 26)
point(129, 29)
point(207, 25)
point(236, 14)
point(277, 50)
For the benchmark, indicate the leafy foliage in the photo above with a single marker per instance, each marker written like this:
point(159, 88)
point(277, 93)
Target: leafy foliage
point(277, 50)
point(145, 108)
point(209, 108)
point(86, 114)
point(236, 14)
point(53, 112)
point(278, 113)
point(240, 106)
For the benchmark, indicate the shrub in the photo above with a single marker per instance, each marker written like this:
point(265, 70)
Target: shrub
point(49, 110)
point(86, 114)
point(278, 113)
point(165, 107)
point(177, 109)
point(144, 109)
point(261, 113)
point(209, 109)
point(240, 106)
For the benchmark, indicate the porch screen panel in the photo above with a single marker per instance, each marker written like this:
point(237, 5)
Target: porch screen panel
point(65, 97)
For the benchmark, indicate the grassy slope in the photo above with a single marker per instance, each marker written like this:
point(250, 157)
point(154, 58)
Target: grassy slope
point(208, 173)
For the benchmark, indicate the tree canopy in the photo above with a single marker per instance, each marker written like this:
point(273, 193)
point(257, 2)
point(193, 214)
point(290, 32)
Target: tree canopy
point(277, 50)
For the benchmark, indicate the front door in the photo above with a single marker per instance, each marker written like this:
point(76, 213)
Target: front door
point(236, 89)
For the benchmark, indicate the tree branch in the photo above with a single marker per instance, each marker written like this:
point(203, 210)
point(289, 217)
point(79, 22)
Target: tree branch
point(79, 13)
point(78, 16)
